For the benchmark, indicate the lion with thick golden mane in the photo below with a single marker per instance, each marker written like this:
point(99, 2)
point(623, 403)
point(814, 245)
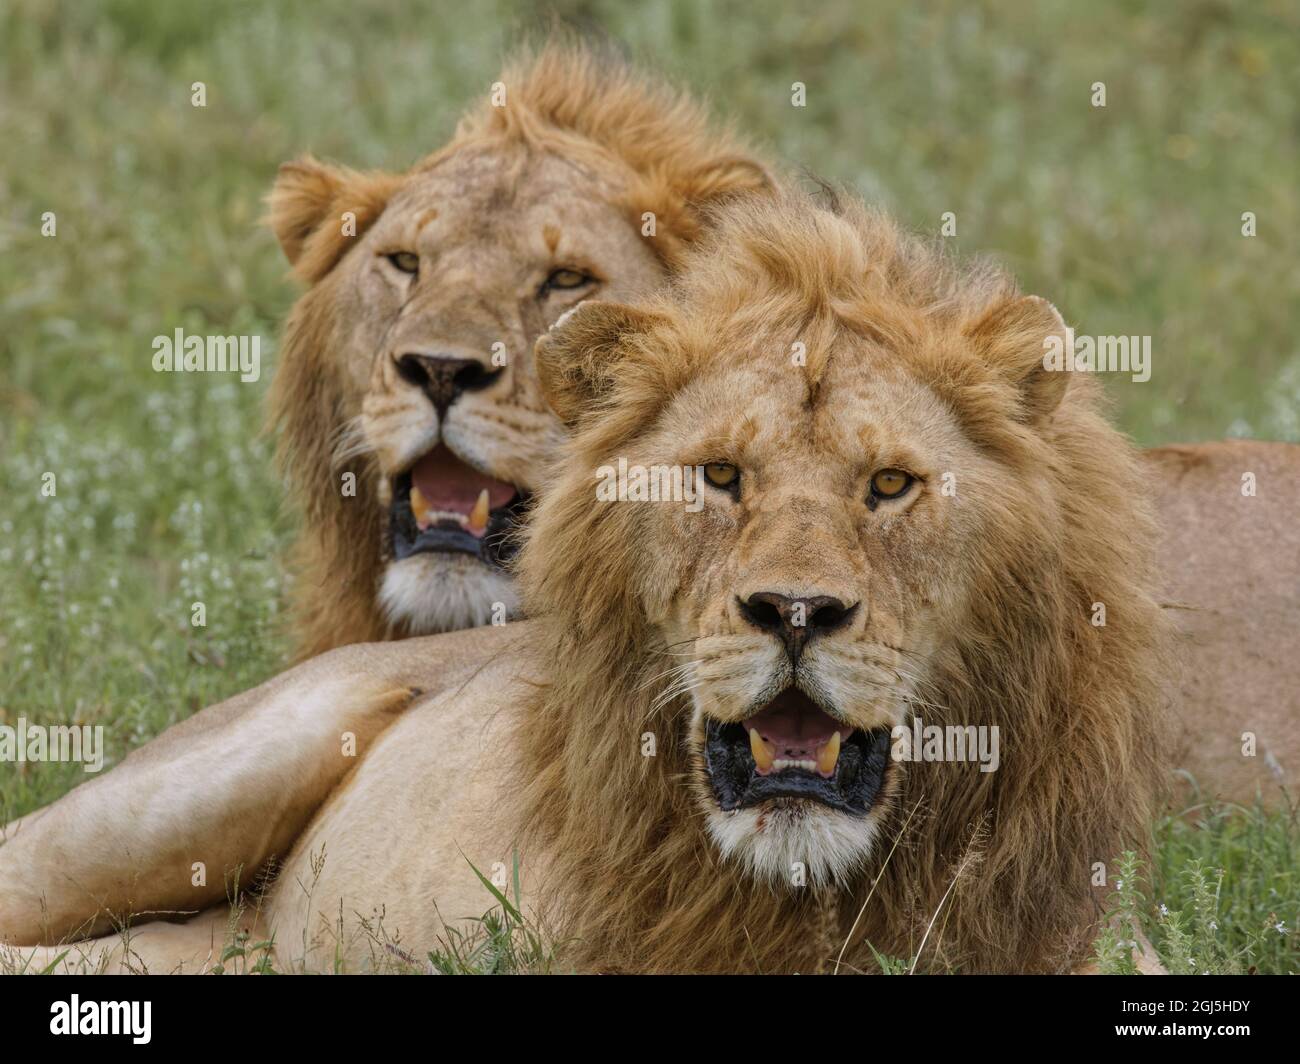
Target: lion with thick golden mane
point(896, 514)
point(412, 428)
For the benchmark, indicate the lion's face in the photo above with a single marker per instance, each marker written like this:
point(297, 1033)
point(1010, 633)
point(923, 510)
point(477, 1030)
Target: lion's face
point(466, 267)
point(807, 596)
point(447, 290)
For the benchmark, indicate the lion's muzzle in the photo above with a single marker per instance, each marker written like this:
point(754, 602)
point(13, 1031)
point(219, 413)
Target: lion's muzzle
point(442, 504)
point(792, 748)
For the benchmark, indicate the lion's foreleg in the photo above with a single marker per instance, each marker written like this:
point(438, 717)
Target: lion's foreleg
point(218, 940)
point(211, 799)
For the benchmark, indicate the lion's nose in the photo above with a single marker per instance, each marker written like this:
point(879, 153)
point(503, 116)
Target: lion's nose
point(795, 621)
point(445, 378)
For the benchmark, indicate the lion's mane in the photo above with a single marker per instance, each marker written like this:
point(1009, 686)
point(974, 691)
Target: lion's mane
point(1080, 707)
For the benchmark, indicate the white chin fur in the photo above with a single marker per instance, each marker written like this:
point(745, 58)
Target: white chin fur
point(429, 593)
point(828, 844)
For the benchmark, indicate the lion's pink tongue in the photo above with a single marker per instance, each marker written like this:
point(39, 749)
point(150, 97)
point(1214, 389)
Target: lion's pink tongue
point(442, 485)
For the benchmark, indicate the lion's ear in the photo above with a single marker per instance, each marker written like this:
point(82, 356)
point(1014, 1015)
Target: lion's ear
point(315, 210)
point(681, 198)
point(1018, 337)
point(578, 359)
point(721, 179)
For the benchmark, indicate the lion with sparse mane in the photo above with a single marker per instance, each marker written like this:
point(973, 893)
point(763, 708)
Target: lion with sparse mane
point(412, 428)
point(692, 745)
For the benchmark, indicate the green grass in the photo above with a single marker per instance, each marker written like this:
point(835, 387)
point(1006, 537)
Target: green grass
point(1232, 874)
point(1128, 217)
point(1223, 900)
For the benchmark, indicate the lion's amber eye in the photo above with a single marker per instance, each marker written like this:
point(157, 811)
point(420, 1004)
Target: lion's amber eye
point(566, 279)
point(890, 483)
point(722, 475)
point(406, 261)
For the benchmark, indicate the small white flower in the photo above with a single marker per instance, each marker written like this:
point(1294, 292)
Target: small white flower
point(1280, 928)
point(1164, 909)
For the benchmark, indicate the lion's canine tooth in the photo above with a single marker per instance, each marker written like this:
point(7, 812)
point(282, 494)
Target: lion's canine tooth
point(762, 755)
point(828, 755)
point(478, 517)
point(419, 506)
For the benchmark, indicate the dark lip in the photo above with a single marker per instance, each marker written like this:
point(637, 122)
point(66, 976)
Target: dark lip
point(495, 549)
point(854, 788)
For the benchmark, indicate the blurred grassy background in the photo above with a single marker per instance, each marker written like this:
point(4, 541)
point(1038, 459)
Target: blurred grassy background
point(1127, 216)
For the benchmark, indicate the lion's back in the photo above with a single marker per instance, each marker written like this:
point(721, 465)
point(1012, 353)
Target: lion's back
point(1230, 555)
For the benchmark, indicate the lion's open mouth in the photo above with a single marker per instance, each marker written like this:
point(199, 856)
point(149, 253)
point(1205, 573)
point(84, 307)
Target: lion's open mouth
point(443, 504)
point(793, 749)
